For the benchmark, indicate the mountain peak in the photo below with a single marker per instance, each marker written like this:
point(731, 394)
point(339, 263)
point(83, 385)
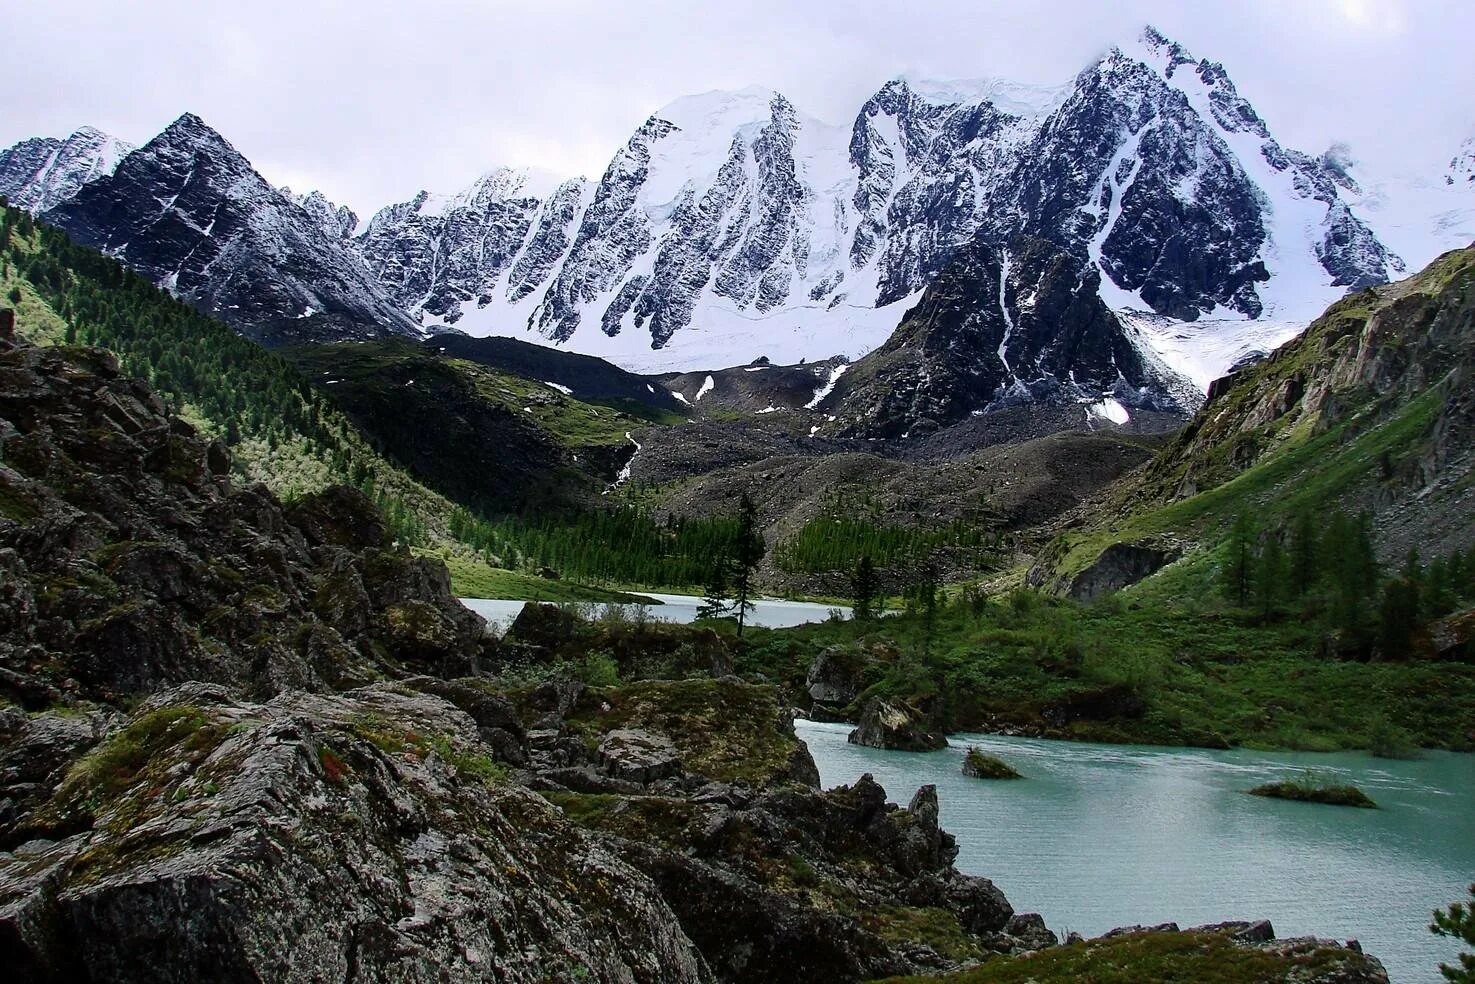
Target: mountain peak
point(192, 129)
point(1022, 99)
point(721, 109)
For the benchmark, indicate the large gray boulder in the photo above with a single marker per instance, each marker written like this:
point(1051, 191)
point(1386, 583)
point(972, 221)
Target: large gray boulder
point(833, 677)
point(894, 724)
point(370, 831)
point(638, 756)
point(1119, 566)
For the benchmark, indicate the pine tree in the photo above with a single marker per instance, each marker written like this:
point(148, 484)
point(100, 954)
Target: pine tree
point(1458, 922)
point(1304, 549)
point(748, 550)
point(863, 587)
point(1271, 574)
point(715, 603)
point(1238, 572)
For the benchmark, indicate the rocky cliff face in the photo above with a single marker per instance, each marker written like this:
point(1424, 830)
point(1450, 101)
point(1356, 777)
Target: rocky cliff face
point(189, 212)
point(1042, 333)
point(1389, 368)
point(132, 563)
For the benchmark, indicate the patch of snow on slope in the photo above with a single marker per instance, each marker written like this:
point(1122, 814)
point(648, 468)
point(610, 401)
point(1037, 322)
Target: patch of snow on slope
point(1004, 308)
point(1109, 409)
point(566, 391)
point(707, 386)
point(624, 475)
point(828, 387)
point(1204, 350)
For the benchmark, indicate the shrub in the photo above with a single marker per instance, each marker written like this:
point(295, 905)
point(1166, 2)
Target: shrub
point(1311, 789)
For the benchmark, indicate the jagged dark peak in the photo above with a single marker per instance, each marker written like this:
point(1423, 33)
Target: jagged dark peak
point(1007, 321)
point(38, 173)
point(338, 221)
point(1159, 43)
point(192, 130)
point(189, 212)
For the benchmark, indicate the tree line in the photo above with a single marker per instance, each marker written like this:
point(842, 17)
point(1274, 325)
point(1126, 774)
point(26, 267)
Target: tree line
point(1327, 569)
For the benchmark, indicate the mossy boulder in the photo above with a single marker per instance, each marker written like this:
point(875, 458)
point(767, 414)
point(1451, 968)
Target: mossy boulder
point(981, 765)
point(1314, 791)
point(369, 829)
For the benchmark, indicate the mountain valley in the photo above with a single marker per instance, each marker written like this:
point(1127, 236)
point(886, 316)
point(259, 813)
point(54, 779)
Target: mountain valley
point(1087, 413)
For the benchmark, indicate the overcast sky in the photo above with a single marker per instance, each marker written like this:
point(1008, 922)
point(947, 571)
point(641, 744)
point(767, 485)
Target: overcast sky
point(371, 100)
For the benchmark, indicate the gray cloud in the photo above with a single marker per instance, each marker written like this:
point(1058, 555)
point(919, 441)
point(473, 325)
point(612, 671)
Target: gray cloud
point(372, 100)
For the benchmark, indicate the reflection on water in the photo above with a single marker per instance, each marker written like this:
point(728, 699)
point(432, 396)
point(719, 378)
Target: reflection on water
point(1099, 836)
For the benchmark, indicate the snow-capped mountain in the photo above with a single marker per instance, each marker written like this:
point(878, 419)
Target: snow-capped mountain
point(38, 173)
point(731, 225)
point(188, 211)
point(438, 253)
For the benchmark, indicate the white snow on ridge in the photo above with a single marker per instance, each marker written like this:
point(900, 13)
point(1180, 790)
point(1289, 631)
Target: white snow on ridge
point(1015, 98)
point(707, 386)
point(828, 387)
point(566, 391)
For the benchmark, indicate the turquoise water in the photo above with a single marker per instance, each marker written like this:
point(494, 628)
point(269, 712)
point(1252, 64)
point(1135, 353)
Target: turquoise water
point(1098, 836)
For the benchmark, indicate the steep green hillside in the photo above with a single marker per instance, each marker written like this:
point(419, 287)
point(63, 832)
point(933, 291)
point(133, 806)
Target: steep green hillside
point(496, 441)
point(422, 435)
point(281, 430)
point(1370, 411)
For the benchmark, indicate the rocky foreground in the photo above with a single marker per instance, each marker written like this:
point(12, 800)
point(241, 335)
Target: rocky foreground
point(243, 740)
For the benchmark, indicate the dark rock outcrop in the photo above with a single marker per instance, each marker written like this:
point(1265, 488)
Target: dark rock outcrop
point(893, 723)
point(1004, 323)
point(1119, 566)
point(134, 563)
point(833, 678)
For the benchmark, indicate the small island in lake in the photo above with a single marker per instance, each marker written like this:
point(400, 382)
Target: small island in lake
point(1312, 791)
point(981, 765)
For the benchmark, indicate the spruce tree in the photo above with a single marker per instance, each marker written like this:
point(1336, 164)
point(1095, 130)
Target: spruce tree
point(1398, 617)
point(925, 598)
point(1458, 922)
point(1238, 571)
point(715, 603)
point(748, 550)
point(1303, 559)
point(1271, 574)
point(863, 587)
